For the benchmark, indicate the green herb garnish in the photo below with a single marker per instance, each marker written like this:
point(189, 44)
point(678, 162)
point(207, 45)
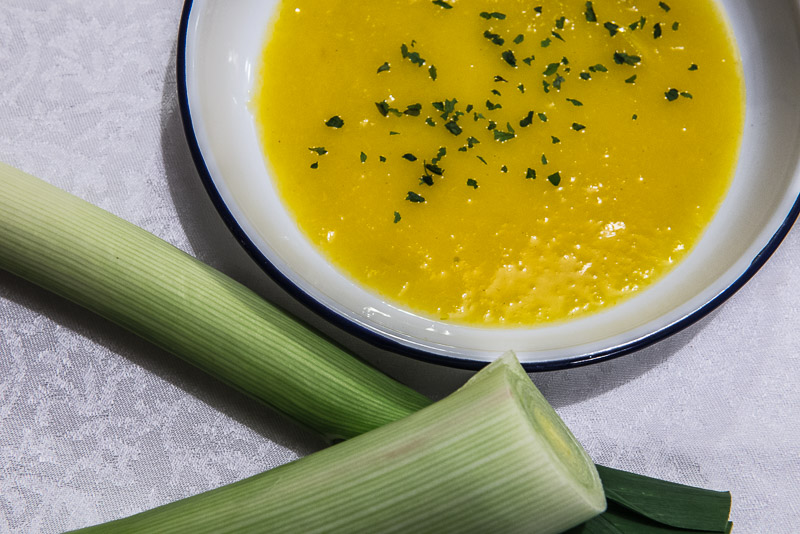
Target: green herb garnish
point(555, 178)
point(508, 57)
point(319, 150)
point(495, 38)
point(621, 58)
point(335, 122)
point(414, 197)
point(414, 57)
point(472, 183)
point(384, 68)
point(527, 121)
point(612, 28)
point(551, 69)
point(453, 128)
point(435, 169)
point(591, 16)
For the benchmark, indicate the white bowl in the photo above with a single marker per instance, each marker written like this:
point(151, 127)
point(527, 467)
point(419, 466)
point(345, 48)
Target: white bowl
point(219, 53)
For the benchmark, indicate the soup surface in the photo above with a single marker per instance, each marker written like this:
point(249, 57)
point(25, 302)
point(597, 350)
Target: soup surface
point(501, 162)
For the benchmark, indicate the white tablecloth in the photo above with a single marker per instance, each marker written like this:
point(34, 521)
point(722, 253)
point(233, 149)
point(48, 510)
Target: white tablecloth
point(96, 424)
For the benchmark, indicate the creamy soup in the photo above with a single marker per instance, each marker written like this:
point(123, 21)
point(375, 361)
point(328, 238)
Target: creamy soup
point(501, 162)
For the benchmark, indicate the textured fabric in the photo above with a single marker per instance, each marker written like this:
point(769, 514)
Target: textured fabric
point(96, 424)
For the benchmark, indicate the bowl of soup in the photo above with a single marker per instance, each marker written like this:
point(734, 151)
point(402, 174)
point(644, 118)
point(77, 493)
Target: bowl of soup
point(450, 180)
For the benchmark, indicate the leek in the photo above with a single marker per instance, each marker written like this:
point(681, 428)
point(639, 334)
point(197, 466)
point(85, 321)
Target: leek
point(142, 283)
point(146, 285)
point(491, 457)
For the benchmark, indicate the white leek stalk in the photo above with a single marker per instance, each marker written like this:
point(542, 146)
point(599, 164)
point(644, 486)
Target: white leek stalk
point(491, 457)
point(146, 285)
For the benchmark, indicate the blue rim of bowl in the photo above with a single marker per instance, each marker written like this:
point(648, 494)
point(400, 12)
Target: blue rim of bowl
point(381, 342)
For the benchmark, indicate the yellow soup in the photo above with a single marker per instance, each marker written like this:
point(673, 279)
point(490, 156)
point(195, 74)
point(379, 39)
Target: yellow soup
point(500, 162)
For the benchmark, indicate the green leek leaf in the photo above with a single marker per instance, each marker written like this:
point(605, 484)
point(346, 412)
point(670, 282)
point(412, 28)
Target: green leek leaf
point(668, 503)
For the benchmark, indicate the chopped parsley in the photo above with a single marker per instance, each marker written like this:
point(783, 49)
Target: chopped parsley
point(508, 57)
point(434, 169)
point(442, 4)
point(657, 30)
point(409, 157)
point(319, 150)
point(363, 157)
point(591, 16)
point(664, 6)
point(315, 165)
point(414, 57)
point(414, 197)
point(555, 178)
point(397, 217)
point(551, 69)
point(632, 79)
point(384, 68)
point(578, 127)
point(495, 38)
point(502, 136)
point(530, 174)
point(519, 38)
point(527, 121)
point(432, 72)
point(472, 183)
point(335, 122)
point(453, 127)
point(672, 95)
point(612, 28)
point(621, 58)
point(574, 102)
point(413, 110)
point(384, 108)
point(493, 15)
